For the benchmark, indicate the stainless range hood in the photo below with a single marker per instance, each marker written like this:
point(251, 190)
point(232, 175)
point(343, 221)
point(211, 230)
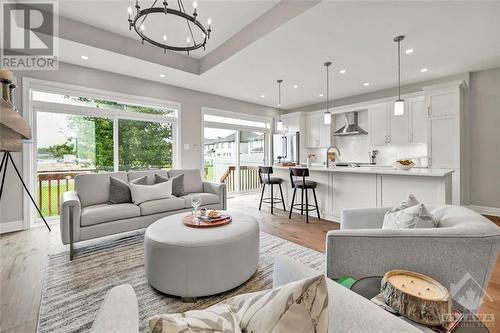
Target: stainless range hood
point(350, 129)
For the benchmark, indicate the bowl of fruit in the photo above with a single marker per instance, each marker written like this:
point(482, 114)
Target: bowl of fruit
point(403, 164)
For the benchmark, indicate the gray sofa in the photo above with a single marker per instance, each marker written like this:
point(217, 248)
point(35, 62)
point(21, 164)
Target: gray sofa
point(88, 215)
point(463, 248)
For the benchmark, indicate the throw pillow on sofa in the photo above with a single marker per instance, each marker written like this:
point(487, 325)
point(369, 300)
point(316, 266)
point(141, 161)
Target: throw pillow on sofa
point(192, 179)
point(412, 217)
point(300, 306)
point(142, 193)
point(119, 190)
point(409, 202)
point(177, 184)
point(218, 318)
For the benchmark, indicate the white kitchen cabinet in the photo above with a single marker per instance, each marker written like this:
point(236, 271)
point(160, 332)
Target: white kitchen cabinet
point(442, 102)
point(318, 135)
point(418, 123)
point(379, 125)
point(353, 190)
point(399, 125)
point(443, 142)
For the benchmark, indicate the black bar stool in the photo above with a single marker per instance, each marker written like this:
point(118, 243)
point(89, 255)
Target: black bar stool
point(266, 179)
point(298, 181)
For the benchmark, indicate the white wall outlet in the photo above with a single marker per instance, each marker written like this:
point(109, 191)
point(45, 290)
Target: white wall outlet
point(186, 146)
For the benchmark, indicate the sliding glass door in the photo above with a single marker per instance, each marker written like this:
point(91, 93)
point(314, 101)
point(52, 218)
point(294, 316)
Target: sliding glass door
point(233, 149)
point(77, 135)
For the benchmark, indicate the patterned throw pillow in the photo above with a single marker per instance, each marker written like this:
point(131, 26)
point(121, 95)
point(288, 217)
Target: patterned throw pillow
point(218, 318)
point(410, 218)
point(300, 306)
point(410, 202)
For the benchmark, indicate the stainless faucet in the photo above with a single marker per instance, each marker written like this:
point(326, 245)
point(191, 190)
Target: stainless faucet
point(328, 150)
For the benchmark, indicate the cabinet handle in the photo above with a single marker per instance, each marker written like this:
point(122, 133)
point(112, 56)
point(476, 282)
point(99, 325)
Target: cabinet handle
point(428, 110)
point(389, 138)
point(411, 137)
point(430, 161)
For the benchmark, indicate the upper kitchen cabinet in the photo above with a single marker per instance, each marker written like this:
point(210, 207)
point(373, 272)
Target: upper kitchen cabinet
point(399, 126)
point(318, 135)
point(387, 128)
point(418, 120)
point(379, 125)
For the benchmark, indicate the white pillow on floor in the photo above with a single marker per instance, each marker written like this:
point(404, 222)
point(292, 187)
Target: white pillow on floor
point(409, 218)
point(142, 193)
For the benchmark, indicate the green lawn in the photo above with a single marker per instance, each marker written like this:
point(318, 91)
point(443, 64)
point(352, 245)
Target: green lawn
point(210, 173)
point(45, 197)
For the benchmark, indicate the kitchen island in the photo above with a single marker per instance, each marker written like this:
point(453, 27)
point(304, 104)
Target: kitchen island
point(370, 186)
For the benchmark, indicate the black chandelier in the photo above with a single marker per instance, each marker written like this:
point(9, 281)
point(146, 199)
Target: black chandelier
point(137, 22)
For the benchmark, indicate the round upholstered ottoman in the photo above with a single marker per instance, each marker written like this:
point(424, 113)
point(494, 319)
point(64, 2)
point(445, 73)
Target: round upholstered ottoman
point(194, 262)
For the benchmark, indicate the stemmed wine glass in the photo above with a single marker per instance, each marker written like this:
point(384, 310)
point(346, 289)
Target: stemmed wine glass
point(195, 203)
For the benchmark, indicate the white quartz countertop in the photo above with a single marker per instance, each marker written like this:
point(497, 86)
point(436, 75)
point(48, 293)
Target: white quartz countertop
point(381, 170)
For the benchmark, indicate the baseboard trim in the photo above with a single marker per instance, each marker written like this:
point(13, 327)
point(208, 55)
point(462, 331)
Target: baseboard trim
point(485, 210)
point(11, 226)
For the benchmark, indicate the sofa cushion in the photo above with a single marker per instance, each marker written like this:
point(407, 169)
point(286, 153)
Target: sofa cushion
point(299, 306)
point(409, 202)
point(192, 179)
point(219, 318)
point(161, 205)
point(177, 184)
point(119, 191)
point(142, 193)
point(96, 214)
point(150, 174)
point(93, 188)
point(205, 199)
point(412, 217)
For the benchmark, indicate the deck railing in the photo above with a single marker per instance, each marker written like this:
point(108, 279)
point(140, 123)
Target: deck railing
point(51, 185)
point(249, 178)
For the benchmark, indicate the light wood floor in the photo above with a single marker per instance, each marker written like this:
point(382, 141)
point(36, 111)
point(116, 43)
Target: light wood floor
point(23, 259)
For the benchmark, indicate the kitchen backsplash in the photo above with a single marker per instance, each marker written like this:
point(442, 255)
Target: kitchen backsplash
point(356, 148)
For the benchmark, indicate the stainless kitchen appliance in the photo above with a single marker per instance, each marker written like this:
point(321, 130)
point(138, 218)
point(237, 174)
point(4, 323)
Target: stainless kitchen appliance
point(286, 147)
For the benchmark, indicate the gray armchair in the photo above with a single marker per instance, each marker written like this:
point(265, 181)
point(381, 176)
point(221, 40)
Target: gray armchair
point(465, 242)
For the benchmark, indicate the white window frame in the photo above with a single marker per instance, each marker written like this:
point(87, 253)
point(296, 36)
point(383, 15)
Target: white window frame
point(30, 107)
point(237, 128)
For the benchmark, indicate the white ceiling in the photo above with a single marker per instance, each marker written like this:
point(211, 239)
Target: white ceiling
point(228, 17)
point(447, 38)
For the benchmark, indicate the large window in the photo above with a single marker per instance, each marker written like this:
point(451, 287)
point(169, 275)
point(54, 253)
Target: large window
point(234, 147)
point(76, 135)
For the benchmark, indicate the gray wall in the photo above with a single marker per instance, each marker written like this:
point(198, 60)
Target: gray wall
point(484, 138)
point(191, 103)
point(481, 130)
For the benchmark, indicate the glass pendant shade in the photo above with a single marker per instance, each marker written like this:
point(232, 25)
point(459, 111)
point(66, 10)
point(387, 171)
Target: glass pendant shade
point(399, 107)
point(279, 125)
point(327, 118)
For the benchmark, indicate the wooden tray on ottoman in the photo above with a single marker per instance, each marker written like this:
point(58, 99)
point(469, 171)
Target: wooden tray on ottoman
point(211, 223)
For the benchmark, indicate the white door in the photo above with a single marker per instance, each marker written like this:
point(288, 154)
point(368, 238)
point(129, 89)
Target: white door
point(378, 125)
point(399, 126)
point(418, 126)
point(443, 141)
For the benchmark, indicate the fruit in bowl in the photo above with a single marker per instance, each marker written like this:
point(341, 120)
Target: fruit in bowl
point(403, 164)
point(213, 213)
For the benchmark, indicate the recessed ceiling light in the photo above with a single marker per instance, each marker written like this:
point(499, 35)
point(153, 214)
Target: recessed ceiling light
point(84, 57)
point(295, 85)
point(409, 51)
point(262, 96)
point(423, 70)
point(342, 71)
point(321, 95)
point(162, 75)
point(366, 84)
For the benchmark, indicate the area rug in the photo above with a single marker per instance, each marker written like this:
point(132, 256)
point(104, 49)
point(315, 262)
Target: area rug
point(74, 290)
